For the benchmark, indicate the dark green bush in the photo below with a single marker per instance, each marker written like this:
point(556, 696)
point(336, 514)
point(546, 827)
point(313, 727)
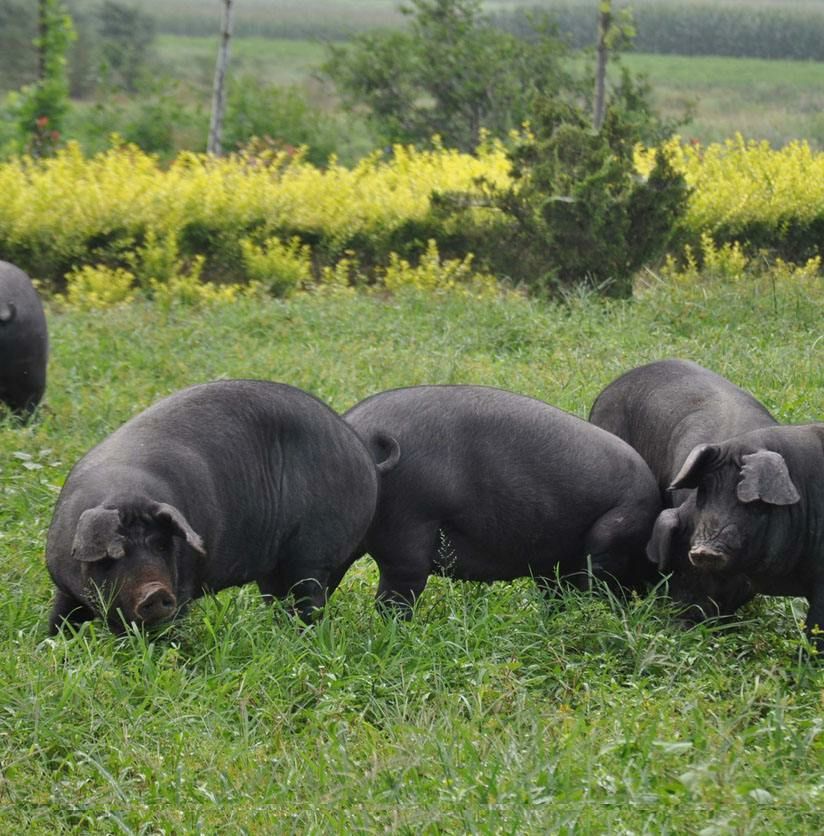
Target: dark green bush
point(280, 116)
point(577, 212)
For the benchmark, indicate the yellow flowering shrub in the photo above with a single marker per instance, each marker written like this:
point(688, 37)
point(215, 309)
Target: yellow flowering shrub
point(68, 209)
point(728, 262)
point(437, 275)
point(340, 280)
point(185, 287)
point(252, 217)
point(98, 286)
point(281, 267)
point(746, 191)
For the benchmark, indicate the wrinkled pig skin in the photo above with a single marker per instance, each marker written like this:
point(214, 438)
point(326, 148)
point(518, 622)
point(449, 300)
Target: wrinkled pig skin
point(217, 485)
point(493, 485)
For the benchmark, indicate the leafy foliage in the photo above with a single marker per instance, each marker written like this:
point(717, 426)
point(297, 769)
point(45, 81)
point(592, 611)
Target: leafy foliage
point(280, 116)
point(576, 211)
point(67, 211)
point(448, 74)
point(126, 34)
point(41, 107)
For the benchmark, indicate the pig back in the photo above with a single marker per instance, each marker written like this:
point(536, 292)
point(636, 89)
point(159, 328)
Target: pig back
point(667, 407)
point(495, 460)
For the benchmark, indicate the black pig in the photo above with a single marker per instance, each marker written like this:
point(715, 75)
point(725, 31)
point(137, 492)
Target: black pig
point(24, 341)
point(492, 485)
point(759, 512)
point(664, 409)
point(217, 485)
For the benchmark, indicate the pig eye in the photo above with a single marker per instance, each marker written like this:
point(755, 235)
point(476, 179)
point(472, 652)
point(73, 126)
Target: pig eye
point(159, 543)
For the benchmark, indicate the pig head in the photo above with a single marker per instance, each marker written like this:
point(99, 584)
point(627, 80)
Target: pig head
point(759, 511)
point(129, 557)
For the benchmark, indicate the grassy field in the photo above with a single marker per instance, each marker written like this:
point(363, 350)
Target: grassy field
point(275, 60)
point(492, 711)
point(774, 100)
point(342, 16)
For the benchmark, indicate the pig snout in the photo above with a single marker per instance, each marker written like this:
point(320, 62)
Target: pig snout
point(715, 545)
point(155, 603)
point(708, 558)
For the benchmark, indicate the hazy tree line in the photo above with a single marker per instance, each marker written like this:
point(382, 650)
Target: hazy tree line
point(112, 45)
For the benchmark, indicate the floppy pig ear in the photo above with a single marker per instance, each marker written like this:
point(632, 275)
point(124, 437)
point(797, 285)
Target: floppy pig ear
point(659, 548)
point(96, 537)
point(180, 524)
point(691, 471)
point(765, 476)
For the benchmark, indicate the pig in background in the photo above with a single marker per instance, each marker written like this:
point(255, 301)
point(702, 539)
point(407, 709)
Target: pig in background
point(24, 342)
point(664, 409)
point(217, 485)
point(749, 494)
point(759, 511)
point(491, 485)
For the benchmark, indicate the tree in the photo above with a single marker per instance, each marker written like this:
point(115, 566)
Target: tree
point(219, 94)
point(126, 35)
point(42, 106)
point(451, 73)
point(580, 213)
point(613, 33)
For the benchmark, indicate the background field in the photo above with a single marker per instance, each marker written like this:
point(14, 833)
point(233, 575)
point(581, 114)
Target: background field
point(492, 711)
point(282, 43)
point(764, 99)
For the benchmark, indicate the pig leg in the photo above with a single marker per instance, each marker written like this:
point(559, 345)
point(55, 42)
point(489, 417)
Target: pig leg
point(67, 610)
point(337, 574)
point(613, 559)
point(815, 618)
point(309, 594)
point(404, 567)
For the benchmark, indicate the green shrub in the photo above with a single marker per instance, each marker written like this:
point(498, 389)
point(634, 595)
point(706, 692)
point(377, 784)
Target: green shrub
point(577, 211)
point(280, 267)
point(97, 286)
point(280, 116)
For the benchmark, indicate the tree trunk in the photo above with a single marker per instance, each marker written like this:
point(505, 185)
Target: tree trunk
point(42, 32)
point(604, 22)
point(219, 94)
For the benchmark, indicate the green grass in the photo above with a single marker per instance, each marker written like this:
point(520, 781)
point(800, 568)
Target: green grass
point(492, 711)
point(774, 100)
point(274, 60)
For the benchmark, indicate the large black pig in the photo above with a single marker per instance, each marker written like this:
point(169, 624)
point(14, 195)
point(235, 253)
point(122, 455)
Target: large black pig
point(492, 485)
point(217, 485)
point(664, 409)
point(24, 341)
point(759, 512)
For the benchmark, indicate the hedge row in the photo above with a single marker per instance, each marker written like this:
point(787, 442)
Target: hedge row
point(236, 215)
